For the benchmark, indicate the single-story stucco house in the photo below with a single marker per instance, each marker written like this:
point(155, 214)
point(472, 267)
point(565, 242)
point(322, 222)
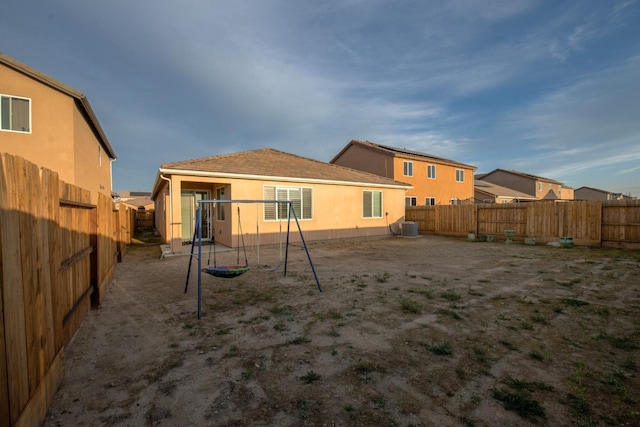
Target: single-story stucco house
point(330, 201)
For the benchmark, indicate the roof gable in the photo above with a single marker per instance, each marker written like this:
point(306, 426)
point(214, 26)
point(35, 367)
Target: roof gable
point(521, 174)
point(79, 98)
point(271, 163)
point(499, 191)
point(400, 152)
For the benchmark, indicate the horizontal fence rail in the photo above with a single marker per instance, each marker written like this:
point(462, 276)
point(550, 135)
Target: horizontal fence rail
point(589, 223)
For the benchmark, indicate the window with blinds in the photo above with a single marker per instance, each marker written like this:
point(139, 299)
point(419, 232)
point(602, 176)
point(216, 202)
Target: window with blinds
point(372, 204)
point(15, 114)
point(301, 198)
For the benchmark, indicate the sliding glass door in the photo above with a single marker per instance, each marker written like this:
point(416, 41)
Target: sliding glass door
point(189, 203)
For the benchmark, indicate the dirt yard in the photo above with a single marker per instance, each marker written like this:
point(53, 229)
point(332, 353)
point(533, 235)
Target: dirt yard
point(428, 331)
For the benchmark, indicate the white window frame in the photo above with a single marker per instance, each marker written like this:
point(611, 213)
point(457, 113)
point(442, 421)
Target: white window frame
point(407, 168)
point(429, 201)
point(220, 207)
point(411, 201)
point(303, 205)
point(539, 186)
point(431, 171)
point(369, 194)
point(2, 113)
point(459, 175)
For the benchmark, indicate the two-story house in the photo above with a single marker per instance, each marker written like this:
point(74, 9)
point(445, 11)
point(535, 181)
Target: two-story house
point(590, 193)
point(537, 187)
point(52, 125)
point(435, 180)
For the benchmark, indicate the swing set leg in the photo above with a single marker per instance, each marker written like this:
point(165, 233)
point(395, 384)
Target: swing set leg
point(193, 242)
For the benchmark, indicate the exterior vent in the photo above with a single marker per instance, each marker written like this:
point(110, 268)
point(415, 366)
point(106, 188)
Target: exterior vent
point(409, 229)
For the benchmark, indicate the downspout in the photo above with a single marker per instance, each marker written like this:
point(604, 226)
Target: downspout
point(170, 209)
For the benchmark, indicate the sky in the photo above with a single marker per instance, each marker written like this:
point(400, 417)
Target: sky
point(550, 88)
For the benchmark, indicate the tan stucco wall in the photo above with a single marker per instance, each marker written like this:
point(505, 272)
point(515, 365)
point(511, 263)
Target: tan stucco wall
point(515, 182)
point(444, 187)
point(567, 193)
point(337, 211)
point(92, 166)
point(60, 138)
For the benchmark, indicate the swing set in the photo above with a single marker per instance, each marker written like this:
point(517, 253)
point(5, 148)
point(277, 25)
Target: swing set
point(235, 270)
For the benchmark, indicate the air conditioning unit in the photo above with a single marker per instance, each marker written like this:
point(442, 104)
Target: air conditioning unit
point(409, 229)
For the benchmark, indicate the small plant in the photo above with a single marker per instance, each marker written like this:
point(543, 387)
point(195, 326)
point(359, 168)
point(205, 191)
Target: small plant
point(526, 385)
point(382, 278)
point(425, 292)
point(508, 345)
point(309, 377)
point(526, 325)
point(378, 403)
point(539, 318)
point(574, 302)
point(625, 342)
point(629, 364)
point(234, 351)
point(410, 306)
point(187, 326)
point(246, 374)
point(441, 349)
point(536, 356)
point(348, 407)
point(333, 333)
point(281, 310)
point(280, 326)
point(450, 296)
point(450, 313)
point(303, 408)
point(299, 341)
point(223, 331)
point(524, 406)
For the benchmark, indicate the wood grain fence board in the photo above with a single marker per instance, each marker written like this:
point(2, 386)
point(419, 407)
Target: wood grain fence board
point(621, 223)
point(75, 279)
point(44, 221)
point(592, 223)
point(46, 218)
point(30, 254)
point(5, 224)
point(13, 291)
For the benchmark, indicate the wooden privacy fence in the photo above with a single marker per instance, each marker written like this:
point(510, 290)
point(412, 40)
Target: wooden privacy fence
point(57, 256)
point(145, 220)
point(590, 223)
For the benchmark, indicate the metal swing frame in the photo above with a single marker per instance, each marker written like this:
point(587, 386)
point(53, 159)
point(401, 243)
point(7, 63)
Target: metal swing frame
point(198, 237)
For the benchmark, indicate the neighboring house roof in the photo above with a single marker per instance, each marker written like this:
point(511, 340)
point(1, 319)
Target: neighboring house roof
point(496, 190)
point(80, 99)
point(609, 194)
point(522, 174)
point(132, 194)
point(275, 165)
point(595, 189)
point(400, 152)
point(138, 202)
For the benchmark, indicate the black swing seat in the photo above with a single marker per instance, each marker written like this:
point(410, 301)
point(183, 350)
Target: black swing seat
point(226, 271)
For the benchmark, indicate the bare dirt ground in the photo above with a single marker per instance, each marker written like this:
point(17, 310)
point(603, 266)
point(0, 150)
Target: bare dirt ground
point(429, 331)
